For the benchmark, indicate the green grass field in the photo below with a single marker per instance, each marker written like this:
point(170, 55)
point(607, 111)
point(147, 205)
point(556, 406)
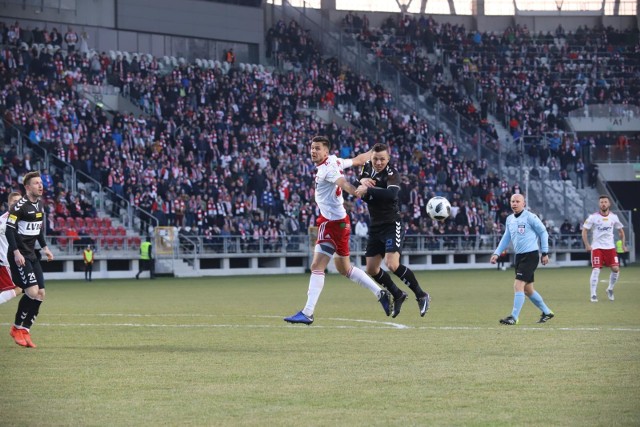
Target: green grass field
point(215, 351)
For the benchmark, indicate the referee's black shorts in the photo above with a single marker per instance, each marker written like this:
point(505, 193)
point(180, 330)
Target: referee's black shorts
point(385, 238)
point(526, 265)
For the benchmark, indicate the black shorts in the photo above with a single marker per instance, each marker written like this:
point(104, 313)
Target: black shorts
point(30, 274)
point(526, 265)
point(385, 238)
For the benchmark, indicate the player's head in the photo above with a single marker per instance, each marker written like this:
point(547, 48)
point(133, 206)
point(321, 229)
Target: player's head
point(517, 203)
point(13, 198)
point(605, 204)
point(320, 147)
point(379, 157)
point(33, 184)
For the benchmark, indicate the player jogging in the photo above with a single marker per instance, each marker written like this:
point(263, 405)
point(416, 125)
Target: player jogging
point(8, 289)
point(25, 227)
point(380, 187)
point(334, 229)
point(603, 247)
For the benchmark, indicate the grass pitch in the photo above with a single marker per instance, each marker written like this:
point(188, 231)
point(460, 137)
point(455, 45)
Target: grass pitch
point(215, 351)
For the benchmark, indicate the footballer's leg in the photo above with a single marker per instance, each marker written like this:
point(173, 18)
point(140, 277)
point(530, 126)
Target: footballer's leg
point(404, 273)
point(321, 259)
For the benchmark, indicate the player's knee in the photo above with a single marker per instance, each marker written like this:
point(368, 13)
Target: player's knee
point(41, 294)
point(343, 270)
point(615, 269)
point(392, 264)
point(372, 270)
point(32, 292)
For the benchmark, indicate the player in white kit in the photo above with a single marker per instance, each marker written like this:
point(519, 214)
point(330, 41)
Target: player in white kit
point(8, 290)
point(334, 228)
point(602, 246)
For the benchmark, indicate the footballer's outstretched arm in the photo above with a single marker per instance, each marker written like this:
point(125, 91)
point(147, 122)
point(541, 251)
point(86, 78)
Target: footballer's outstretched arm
point(346, 186)
point(361, 159)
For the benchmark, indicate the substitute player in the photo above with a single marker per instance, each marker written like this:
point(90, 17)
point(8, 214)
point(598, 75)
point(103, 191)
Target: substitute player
point(334, 229)
point(602, 246)
point(8, 290)
point(25, 227)
point(380, 187)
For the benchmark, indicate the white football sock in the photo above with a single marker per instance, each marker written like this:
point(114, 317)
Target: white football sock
point(595, 274)
point(316, 283)
point(613, 279)
point(7, 295)
point(362, 279)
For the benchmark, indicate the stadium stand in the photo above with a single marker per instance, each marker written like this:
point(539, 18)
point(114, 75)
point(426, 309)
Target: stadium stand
point(220, 151)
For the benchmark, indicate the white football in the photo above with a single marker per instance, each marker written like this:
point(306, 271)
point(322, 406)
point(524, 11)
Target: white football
point(438, 208)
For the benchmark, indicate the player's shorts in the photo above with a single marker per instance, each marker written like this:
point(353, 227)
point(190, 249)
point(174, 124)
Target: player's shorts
point(336, 233)
point(604, 258)
point(6, 284)
point(385, 238)
point(526, 265)
point(30, 274)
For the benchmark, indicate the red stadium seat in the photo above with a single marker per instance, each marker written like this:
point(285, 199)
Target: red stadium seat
point(80, 224)
point(64, 243)
point(71, 223)
point(89, 222)
point(121, 231)
point(110, 242)
point(119, 242)
point(94, 232)
point(134, 242)
point(61, 225)
point(106, 222)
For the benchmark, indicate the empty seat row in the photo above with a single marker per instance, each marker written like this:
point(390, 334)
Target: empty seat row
point(82, 223)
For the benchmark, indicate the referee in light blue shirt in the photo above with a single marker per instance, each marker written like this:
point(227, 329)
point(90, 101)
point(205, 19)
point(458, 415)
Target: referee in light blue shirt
point(524, 229)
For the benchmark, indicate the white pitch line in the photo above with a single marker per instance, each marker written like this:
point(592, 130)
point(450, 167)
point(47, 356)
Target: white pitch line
point(371, 324)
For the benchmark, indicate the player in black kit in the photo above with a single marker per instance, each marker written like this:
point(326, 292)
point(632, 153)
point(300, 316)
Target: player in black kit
point(380, 184)
point(25, 227)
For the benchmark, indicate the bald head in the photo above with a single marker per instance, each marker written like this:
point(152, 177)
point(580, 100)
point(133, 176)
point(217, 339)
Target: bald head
point(517, 203)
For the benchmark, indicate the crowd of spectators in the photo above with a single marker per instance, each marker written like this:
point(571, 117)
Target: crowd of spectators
point(220, 154)
point(529, 82)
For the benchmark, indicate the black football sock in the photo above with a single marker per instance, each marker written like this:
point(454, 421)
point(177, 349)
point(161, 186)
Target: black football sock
point(27, 311)
point(409, 279)
point(34, 313)
point(385, 280)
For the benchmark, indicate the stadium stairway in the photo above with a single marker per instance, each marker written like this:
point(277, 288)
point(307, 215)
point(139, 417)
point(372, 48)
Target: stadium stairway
point(178, 267)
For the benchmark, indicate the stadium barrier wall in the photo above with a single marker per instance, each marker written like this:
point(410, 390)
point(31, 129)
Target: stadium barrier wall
point(229, 257)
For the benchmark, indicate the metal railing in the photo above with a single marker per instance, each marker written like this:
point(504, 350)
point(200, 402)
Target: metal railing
point(105, 198)
point(198, 246)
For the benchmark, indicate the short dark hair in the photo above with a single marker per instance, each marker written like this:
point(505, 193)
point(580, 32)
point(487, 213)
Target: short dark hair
point(323, 140)
point(28, 177)
point(604, 196)
point(379, 147)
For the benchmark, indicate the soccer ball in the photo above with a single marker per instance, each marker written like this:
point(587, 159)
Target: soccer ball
point(438, 208)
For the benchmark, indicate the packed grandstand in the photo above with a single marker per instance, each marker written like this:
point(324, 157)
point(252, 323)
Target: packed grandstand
point(218, 149)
